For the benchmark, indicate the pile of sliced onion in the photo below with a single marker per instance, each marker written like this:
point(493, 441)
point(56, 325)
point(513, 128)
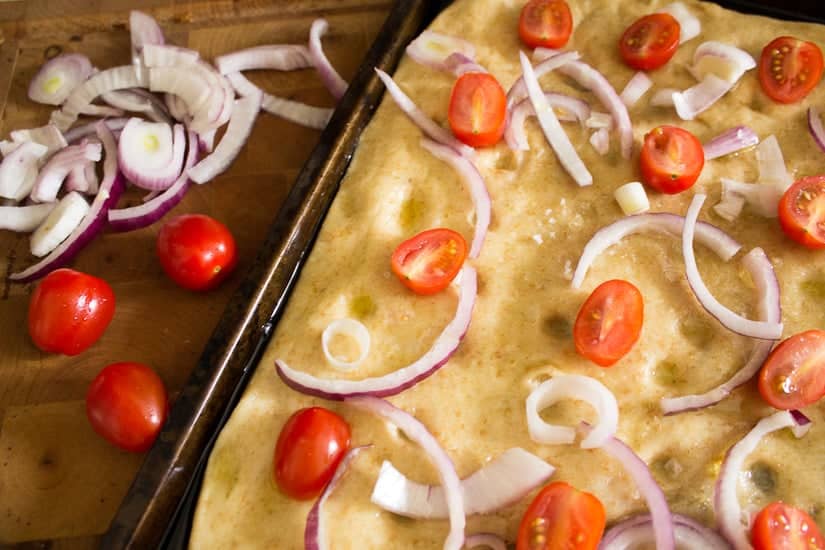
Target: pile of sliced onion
point(637, 532)
point(433, 50)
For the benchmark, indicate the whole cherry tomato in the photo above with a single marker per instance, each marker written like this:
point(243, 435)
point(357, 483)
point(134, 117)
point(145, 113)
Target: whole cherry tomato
point(196, 251)
point(671, 159)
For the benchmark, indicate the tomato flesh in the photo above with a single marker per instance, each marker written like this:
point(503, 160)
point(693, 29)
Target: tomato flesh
point(545, 23)
point(802, 211)
point(478, 109)
point(69, 311)
point(650, 41)
point(196, 251)
point(311, 444)
point(789, 69)
point(671, 159)
point(780, 526)
point(793, 375)
point(429, 261)
point(562, 517)
point(127, 405)
point(609, 322)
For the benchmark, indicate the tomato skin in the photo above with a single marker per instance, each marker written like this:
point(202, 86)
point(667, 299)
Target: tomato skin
point(196, 251)
point(565, 517)
point(793, 375)
point(650, 41)
point(780, 526)
point(609, 322)
point(802, 211)
point(429, 261)
point(478, 109)
point(69, 311)
point(545, 23)
point(127, 405)
point(311, 444)
point(789, 69)
point(671, 159)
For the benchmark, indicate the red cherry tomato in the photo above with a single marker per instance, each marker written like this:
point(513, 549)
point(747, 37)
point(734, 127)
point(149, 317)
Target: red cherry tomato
point(69, 311)
point(429, 261)
point(196, 251)
point(609, 322)
point(127, 405)
point(545, 23)
point(793, 375)
point(312, 443)
point(650, 41)
point(559, 517)
point(780, 526)
point(671, 159)
point(478, 109)
point(789, 69)
point(802, 211)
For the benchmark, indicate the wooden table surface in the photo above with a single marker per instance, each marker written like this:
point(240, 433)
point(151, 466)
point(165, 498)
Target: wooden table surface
point(59, 481)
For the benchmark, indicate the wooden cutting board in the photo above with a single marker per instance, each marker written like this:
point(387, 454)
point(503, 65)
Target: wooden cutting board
point(59, 481)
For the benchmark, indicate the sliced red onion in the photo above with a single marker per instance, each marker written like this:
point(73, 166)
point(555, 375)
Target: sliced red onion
point(474, 182)
point(110, 190)
point(730, 141)
point(280, 57)
point(240, 126)
point(60, 223)
point(600, 140)
point(166, 55)
point(460, 64)
point(723, 60)
point(117, 78)
point(815, 127)
point(18, 171)
point(293, 111)
point(502, 482)
point(417, 116)
point(701, 97)
point(217, 108)
point(418, 433)
point(770, 310)
point(150, 154)
point(490, 540)
point(143, 215)
point(771, 163)
point(434, 50)
point(54, 172)
point(206, 141)
point(314, 532)
point(83, 179)
point(397, 381)
point(569, 109)
point(48, 135)
point(763, 198)
point(80, 132)
point(58, 77)
point(329, 76)
point(661, 222)
point(637, 532)
point(635, 88)
point(733, 524)
point(663, 97)
point(566, 153)
point(572, 386)
point(518, 90)
point(24, 219)
point(689, 25)
point(765, 330)
point(138, 100)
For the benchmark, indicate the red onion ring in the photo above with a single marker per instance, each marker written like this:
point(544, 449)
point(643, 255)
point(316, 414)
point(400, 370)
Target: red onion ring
point(24, 219)
point(815, 127)
point(490, 540)
point(730, 141)
point(572, 109)
point(637, 532)
point(336, 85)
point(279, 57)
point(293, 111)
point(70, 70)
point(435, 50)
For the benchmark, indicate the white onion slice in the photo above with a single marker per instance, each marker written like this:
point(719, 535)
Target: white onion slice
point(762, 198)
point(566, 153)
point(346, 327)
point(48, 135)
point(418, 433)
point(336, 85)
point(815, 127)
point(730, 141)
point(58, 77)
point(637, 532)
point(689, 25)
point(59, 224)
point(661, 222)
point(663, 97)
point(518, 90)
point(632, 198)
point(697, 99)
point(765, 330)
point(635, 88)
point(54, 172)
point(18, 171)
point(24, 219)
point(433, 50)
point(771, 163)
point(600, 140)
point(490, 540)
point(503, 481)
point(474, 182)
point(293, 111)
point(567, 108)
point(279, 57)
point(397, 381)
point(150, 154)
point(733, 526)
point(720, 59)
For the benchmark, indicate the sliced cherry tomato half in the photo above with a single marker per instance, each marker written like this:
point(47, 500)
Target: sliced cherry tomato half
point(561, 516)
point(545, 23)
point(609, 322)
point(789, 69)
point(780, 526)
point(793, 375)
point(650, 41)
point(671, 159)
point(311, 444)
point(802, 211)
point(478, 108)
point(428, 262)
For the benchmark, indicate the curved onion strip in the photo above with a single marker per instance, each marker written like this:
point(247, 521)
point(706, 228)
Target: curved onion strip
point(151, 154)
point(355, 330)
point(570, 108)
point(459, 64)
point(502, 482)
point(110, 190)
point(80, 132)
point(279, 57)
point(661, 222)
point(60, 223)
point(24, 219)
point(336, 85)
point(101, 111)
point(518, 90)
point(771, 164)
point(48, 135)
point(433, 50)
point(58, 77)
point(418, 433)
point(217, 108)
point(474, 182)
point(190, 83)
point(815, 127)
point(490, 540)
point(572, 386)
point(397, 381)
point(730, 141)
point(725, 501)
point(18, 171)
point(144, 30)
point(417, 116)
point(770, 310)
point(725, 61)
point(116, 78)
point(138, 100)
point(701, 97)
point(637, 532)
point(765, 330)
point(293, 111)
point(635, 88)
point(689, 25)
point(165, 55)
point(54, 172)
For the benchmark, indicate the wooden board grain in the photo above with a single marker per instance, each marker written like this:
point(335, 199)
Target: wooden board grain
point(60, 482)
